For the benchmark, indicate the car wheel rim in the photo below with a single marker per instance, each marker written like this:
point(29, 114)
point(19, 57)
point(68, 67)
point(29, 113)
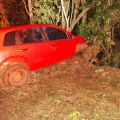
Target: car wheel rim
point(15, 77)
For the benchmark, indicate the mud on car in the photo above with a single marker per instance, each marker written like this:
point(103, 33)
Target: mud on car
point(30, 47)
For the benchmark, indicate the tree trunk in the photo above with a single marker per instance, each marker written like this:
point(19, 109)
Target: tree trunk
point(65, 15)
point(110, 2)
point(30, 10)
point(71, 13)
point(3, 18)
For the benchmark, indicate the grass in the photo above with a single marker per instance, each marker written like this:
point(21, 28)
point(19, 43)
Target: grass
point(13, 116)
point(76, 95)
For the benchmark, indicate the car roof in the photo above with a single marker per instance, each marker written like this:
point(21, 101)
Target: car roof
point(18, 27)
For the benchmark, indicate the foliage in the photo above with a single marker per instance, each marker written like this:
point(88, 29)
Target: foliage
point(76, 115)
point(46, 11)
point(56, 101)
point(115, 60)
point(97, 19)
point(65, 13)
point(97, 28)
point(13, 116)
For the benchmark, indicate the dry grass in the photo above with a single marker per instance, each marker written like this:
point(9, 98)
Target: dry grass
point(67, 91)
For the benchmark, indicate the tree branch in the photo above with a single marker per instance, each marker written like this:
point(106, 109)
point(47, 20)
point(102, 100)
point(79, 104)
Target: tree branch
point(67, 7)
point(72, 12)
point(75, 10)
point(64, 13)
point(79, 17)
point(26, 7)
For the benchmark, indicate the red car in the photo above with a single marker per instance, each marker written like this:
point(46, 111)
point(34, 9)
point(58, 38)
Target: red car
point(30, 47)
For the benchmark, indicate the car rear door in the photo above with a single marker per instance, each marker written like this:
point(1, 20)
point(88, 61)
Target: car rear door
point(30, 44)
point(62, 44)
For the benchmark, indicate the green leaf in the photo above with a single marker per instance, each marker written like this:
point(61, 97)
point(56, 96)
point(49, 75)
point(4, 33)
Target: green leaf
point(76, 115)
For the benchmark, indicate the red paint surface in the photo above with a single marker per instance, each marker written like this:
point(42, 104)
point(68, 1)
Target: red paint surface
point(37, 55)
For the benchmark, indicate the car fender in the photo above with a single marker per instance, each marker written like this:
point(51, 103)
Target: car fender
point(12, 61)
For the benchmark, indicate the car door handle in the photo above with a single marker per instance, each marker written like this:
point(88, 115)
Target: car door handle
point(22, 50)
point(54, 46)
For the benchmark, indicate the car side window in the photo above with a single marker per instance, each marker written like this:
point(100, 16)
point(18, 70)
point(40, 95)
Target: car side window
point(23, 36)
point(28, 36)
point(55, 34)
point(9, 39)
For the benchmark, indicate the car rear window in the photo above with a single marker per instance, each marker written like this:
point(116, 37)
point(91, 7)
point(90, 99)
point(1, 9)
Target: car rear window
point(55, 34)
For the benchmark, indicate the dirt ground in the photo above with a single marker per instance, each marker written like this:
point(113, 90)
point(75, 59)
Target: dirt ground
point(70, 90)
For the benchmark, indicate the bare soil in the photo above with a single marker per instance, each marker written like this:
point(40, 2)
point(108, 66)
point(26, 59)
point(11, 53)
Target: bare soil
point(70, 90)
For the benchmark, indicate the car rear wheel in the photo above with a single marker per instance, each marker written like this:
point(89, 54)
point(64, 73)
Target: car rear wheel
point(16, 76)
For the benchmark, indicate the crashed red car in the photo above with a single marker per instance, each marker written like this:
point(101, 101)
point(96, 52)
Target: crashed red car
point(30, 47)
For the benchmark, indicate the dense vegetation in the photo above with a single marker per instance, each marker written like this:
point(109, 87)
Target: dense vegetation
point(96, 20)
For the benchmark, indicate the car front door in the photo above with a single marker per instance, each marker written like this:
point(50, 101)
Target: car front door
point(62, 44)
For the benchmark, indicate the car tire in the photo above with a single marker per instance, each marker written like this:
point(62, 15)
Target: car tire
point(15, 75)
